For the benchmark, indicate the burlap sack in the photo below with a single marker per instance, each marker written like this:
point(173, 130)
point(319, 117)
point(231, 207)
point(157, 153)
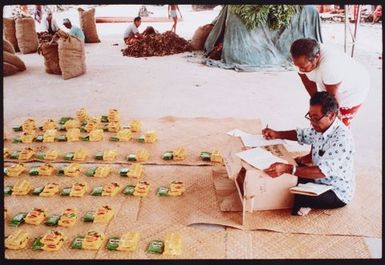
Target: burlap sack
point(71, 56)
point(26, 35)
point(9, 32)
point(200, 36)
point(51, 57)
point(8, 47)
point(14, 60)
point(88, 25)
point(9, 69)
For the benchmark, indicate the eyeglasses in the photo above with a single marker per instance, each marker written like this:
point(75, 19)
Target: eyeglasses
point(307, 116)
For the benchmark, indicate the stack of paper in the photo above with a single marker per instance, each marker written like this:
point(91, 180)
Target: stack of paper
point(310, 189)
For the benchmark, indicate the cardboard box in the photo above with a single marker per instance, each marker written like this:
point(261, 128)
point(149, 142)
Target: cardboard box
point(257, 190)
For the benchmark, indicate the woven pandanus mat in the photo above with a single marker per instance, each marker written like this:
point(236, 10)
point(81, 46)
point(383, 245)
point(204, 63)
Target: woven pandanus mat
point(272, 245)
point(193, 134)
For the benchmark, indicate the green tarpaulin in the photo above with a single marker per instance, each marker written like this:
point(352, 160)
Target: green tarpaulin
point(260, 48)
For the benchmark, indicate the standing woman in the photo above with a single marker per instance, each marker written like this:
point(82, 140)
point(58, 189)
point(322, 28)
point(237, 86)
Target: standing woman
point(172, 13)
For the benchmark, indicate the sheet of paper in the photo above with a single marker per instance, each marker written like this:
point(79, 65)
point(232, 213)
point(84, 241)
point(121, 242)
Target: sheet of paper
point(257, 140)
point(259, 158)
point(237, 133)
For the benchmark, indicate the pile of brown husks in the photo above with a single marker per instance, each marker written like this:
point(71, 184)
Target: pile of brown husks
point(157, 44)
point(44, 36)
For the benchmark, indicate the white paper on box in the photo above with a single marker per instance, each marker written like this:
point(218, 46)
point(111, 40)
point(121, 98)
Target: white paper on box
point(259, 158)
point(257, 140)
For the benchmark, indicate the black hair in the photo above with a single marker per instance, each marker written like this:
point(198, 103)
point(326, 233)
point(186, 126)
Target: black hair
point(305, 47)
point(327, 101)
point(137, 19)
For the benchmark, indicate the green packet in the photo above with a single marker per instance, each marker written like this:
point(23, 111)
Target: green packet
point(205, 156)
point(91, 171)
point(17, 140)
point(8, 190)
point(155, 247)
point(113, 243)
point(104, 118)
point(66, 191)
point(89, 216)
point(52, 220)
point(34, 171)
point(69, 156)
point(18, 128)
point(77, 243)
point(129, 190)
point(123, 172)
point(63, 120)
point(131, 157)
point(162, 191)
point(99, 156)
point(61, 138)
point(15, 155)
point(18, 219)
point(40, 155)
point(37, 244)
point(114, 139)
point(97, 191)
point(168, 155)
point(85, 138)
point(37, 191)
point(141, 139)
point(39, 138)
point(60, 171)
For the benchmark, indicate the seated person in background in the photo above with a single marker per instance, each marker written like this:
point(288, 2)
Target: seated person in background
point(74, 31)
point(331, 159)
point(143, 12)
point(49, 24)
point(132, 30)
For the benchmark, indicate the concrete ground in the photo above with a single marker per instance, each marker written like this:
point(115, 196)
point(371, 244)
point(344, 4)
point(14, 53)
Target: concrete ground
point(175, 85)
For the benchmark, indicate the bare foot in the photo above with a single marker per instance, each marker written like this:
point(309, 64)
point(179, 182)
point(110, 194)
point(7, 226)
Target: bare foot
point(304, 211)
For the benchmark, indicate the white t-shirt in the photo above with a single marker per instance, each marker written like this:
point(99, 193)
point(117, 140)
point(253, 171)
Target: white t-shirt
point(130, 31)
point(335, 67)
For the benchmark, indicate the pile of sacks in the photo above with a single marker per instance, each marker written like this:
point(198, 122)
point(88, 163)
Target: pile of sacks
point(157, 44)
point(11, 62)
point(63, 55)
point(21, 33)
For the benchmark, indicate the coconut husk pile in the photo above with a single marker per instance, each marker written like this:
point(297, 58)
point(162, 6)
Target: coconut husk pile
point(157, 44)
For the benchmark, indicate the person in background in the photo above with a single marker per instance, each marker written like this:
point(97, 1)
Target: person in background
point(322, 68)
point(74, 30)
point(172, 13)
point(377, 14)
point(38, 13)
point(132, 30)
point(49, 23)
point(329, 163)
point(24, 10)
